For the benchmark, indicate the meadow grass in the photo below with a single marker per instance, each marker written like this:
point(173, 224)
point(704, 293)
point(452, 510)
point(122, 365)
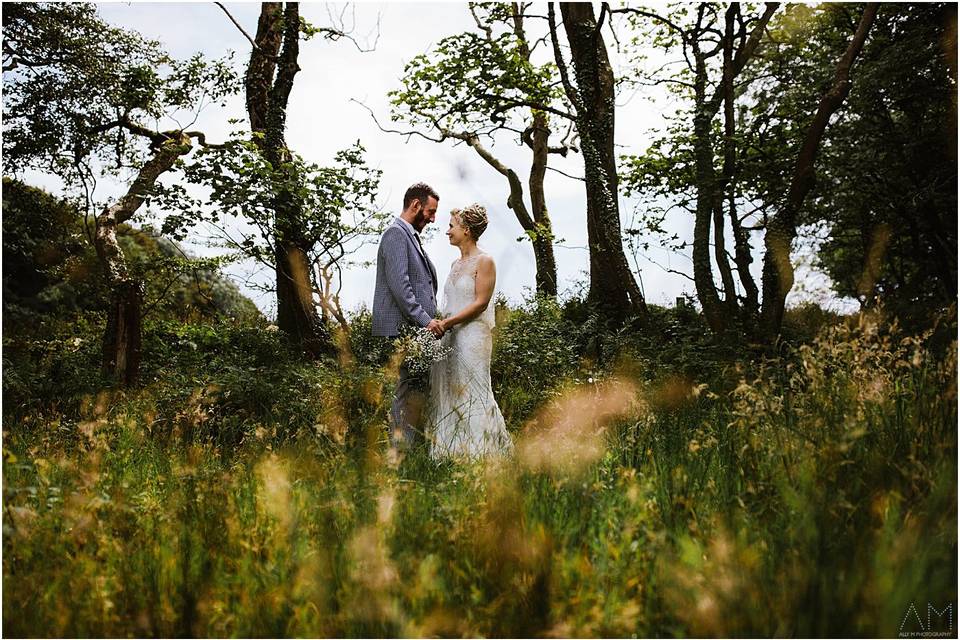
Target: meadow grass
point(814, 494)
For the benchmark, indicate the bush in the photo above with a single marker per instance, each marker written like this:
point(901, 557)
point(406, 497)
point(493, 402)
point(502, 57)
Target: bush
point(534, 352)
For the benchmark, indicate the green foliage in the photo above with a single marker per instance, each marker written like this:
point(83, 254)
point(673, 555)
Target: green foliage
point(53, 297)
point(886, 175)
point(886, 171)
point(334, 207)
point(817, 497)
point(474, 81)
point(71, 80)
point(51, 270)
point(894, 236)
point(225, 382)
point(365, 347)
point(42, 237)
point(534, 332)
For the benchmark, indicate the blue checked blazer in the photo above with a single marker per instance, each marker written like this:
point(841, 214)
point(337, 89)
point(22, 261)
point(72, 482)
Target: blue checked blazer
point(406, 291)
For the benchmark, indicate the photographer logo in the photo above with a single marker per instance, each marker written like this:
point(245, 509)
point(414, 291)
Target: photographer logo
point(937, 623)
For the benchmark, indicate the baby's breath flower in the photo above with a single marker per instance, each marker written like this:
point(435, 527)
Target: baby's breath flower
point(420, 350)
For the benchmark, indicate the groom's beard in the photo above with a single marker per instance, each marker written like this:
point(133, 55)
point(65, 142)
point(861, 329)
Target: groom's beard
point(420, 221)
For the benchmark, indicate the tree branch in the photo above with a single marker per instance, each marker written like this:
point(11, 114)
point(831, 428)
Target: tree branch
point(202, 140)
point(402, 133)
point(485, 28)
point(566, 174)
point(746, 52)
point(237, 25)
point(561, 64)
point(509, 103)
point(653, 16)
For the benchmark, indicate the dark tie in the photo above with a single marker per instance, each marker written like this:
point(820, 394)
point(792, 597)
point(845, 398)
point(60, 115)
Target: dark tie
point(422, 252)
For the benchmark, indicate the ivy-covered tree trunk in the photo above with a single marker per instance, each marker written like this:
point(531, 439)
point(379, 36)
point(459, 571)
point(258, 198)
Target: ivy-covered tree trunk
point(543, 232)
point(782, 228)
point(613, 288)
point(267, 107)
point(122, 338)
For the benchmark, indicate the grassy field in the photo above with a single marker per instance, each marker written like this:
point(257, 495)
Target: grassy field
point(238, 494)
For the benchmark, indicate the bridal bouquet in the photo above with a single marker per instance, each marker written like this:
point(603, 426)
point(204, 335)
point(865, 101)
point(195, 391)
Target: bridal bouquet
point(420, 350)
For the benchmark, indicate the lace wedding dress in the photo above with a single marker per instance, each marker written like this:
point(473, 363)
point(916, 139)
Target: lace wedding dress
point(466, 419)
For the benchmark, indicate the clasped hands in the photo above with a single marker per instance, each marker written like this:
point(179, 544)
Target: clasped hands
point(437, 327)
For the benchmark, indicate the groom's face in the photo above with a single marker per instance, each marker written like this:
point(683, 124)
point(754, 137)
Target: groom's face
point(425, 213)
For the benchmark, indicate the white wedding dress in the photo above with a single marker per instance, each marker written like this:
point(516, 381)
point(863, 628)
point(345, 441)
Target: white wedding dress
point(463, 412)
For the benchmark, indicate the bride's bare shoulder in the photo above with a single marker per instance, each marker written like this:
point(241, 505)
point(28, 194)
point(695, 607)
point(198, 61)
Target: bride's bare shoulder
point(485, 262)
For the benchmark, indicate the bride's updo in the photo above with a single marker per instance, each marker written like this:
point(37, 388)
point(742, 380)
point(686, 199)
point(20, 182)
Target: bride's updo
point(473, 218)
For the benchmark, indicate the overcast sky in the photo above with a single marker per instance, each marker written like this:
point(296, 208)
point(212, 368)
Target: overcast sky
point(322, 119)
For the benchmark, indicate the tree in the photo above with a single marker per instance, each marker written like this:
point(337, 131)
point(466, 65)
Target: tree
point(308, 219)
point(76, 91)
point(305, 201)
point(613, 289)
point(702, 40)
point(885, 193)
point(476, 84)
point(269, 80)
point(50, 270)
point(770, 135)
point(336, 205)
point(782, 228)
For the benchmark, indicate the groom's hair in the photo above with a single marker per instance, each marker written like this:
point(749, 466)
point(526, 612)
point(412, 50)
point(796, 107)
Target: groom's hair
point(420, 191)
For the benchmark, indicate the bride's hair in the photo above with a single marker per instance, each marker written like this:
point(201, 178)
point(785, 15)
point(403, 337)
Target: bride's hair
point(473, 218)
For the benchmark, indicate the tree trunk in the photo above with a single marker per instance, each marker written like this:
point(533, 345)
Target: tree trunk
point(538, 137)
point(741, 244)
point(707, 197)
point(613, 288)
point(543, 232)
point(263, 64)
point(122, 338)
point(267, 106)
point(782, 228)
point(540, 236)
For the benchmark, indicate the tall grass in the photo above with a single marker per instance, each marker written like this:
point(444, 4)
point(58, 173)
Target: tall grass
point(811, 495)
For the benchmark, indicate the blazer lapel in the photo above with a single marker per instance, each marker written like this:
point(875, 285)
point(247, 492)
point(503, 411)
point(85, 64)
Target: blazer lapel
point(423, 255)
point(433, 271)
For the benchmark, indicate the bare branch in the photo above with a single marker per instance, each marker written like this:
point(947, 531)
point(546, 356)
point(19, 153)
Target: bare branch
point(341, 30)
point(604, 8)
point(403, 133)
point(485, 28)
point(237, 25)
point(653, 16)
point(744, 53)
point(566, 174)
point(668, 269)
point(202, 140)
point(561, 65)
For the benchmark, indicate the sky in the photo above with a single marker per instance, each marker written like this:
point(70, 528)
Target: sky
point(324, 116)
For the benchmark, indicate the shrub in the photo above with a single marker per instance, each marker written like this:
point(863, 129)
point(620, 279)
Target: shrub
point(534, 351)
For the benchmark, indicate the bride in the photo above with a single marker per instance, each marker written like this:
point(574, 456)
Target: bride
point(466, 419)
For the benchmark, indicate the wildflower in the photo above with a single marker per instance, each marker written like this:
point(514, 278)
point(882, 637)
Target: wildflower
point(420, 351)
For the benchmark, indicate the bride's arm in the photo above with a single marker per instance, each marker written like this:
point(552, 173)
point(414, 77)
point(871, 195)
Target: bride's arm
point(486, 280)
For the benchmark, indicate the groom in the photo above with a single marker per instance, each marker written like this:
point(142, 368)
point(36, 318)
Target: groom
point(406, 293)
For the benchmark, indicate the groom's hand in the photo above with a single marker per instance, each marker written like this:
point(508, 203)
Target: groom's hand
point(436, 328)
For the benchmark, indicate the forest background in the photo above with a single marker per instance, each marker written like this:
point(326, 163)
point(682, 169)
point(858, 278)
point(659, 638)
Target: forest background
point(698, 424)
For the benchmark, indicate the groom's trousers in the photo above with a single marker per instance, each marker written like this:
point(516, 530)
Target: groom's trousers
point(406, 413)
